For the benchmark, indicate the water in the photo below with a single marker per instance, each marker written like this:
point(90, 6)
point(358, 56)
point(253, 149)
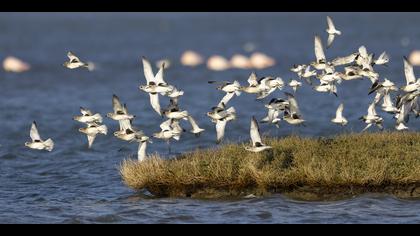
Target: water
point(73, 184)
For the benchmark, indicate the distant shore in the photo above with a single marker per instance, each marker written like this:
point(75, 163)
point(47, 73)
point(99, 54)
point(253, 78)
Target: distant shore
point(301, 168)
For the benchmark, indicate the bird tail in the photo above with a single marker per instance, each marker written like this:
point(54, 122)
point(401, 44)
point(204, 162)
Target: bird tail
point(49, 144)
point(103, 129)
point(231, 110)
point(338, 32)
point(265, 119)
point(238, 85)
point(98, 117)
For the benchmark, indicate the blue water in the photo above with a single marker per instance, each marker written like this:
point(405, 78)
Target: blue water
point(73, 184)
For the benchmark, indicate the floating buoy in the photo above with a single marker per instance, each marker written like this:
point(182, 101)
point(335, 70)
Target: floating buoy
point(217, 63)
point(13, 64)
point(414, 58)
point(261, 60)
point(240, 61)
point(191, 58)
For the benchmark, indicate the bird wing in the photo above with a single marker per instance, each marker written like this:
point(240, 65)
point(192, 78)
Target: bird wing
point(293, 105)
point(409, 72)
point(382, 59)
point(34, 133)
point(330, 24)
point(116, 104)
point(344, 60)
point(330, 40)
point(226, 99)
point(387, 100)
point(141, 152)
point(125, 124)
point(319, 50)
point(403, 115)
point(72, 57)
point(148, 71)
point(154, 101)
point(363, 52)
point(159, 75)
point(255, 132)
point(252, 79)
point(166, 125)
point(339, 112)
point(85, 112)
point(193, 123)
point(220, 130)
point(91, 139)
point(371, 110)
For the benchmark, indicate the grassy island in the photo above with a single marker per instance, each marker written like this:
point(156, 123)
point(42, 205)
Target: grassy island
point(302, 168)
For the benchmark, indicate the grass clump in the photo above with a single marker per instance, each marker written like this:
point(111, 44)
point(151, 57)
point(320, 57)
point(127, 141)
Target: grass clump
point(309, 168)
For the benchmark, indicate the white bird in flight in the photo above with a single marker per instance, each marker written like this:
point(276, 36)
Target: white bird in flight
point(332, 31)
point(37, 142)
point(257, 145)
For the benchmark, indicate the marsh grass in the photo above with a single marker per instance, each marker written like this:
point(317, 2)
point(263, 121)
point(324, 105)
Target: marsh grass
point(351, 163)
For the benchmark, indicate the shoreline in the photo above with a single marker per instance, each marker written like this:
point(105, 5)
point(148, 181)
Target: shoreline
point(341, 167)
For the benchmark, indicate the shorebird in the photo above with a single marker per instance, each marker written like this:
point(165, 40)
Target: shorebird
point(175, 93)
point(307, 74)
point(412, 83)
point(382, 59)
point(269, 85)
point(219, 112)
point(120, 111)
point(321, 62)
point(74, 62)
point(92, 130)
point(272, 117)
point(155, 85)
point(383, 88)
point(402, 117)
point(387, 105)
point(332, 31)
point(88, 116)
point(37, 142)
point(221, 116)
point(275, 106)
point(169, 130)
point(228, 87)
point(372, 118)
point(339, 118)
point(257, 145)
point(254, 86)
point(326, 87)
point(339, 61)
point(295, 84)
point(195, 128)
point(292, 113)
point(174, 112)
point(141, 152)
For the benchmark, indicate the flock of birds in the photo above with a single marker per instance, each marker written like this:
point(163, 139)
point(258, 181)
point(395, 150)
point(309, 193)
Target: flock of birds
point(357, 65)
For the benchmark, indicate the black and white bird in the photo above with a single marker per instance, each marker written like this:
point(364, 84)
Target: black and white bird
point(196, 130)
point(332, 31)
point(339, 118)
point(120, 111)
point(412, 84)
point(92, 130)
point(372, 118)
point(257, 144)
point(37, 142)
point(88, 116)
point(292, 113)
point(74, 62)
